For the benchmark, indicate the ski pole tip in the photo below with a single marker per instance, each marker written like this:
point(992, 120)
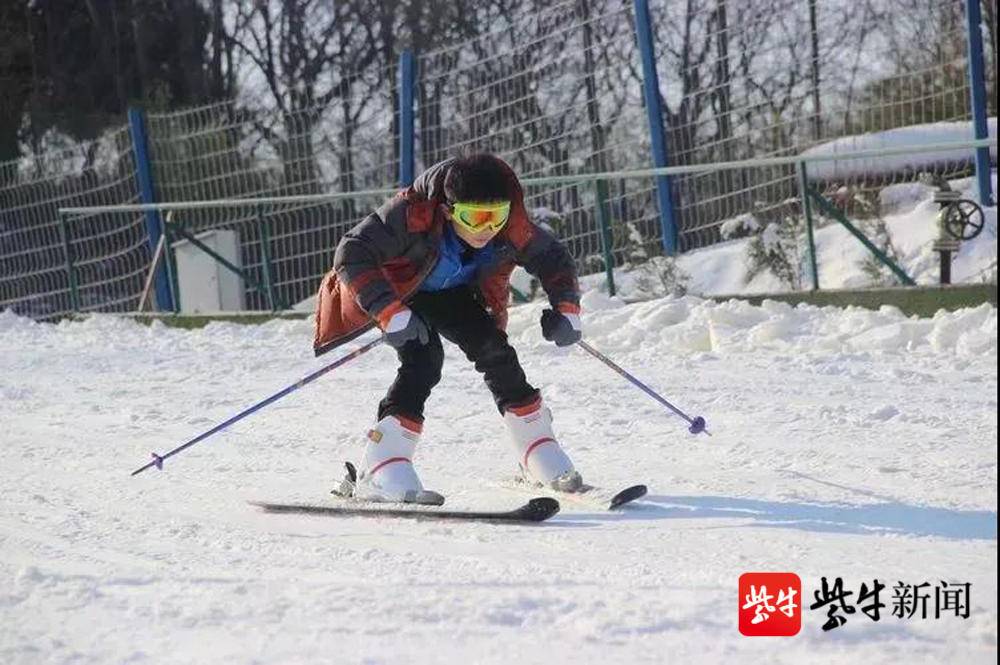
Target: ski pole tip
point(157, 462)
point(697, 425)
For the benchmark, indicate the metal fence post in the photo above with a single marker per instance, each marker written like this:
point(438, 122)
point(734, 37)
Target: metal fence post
point(265, 255)
point(654, 114)
point(407, 82)
point(607, 239)
point(71, 278)
point(977, 92)
point(170, 266)
point(147, 194)
point(807, 211)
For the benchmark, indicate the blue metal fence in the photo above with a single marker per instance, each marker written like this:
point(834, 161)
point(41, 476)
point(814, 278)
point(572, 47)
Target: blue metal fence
point(978, 99)
point(539, 89)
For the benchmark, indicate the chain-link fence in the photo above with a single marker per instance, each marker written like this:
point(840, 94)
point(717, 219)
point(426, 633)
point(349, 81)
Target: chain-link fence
point(547, 93)
point(226, 151)
point(555, 90)
point(774, 77)
point(111, 252)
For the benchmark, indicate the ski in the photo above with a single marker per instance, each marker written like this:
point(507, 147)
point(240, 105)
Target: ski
point(589, 495)
point(538, 509)
point(627, 495)
point(601, 498)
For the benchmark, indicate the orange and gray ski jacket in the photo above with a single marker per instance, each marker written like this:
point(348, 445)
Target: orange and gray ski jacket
point(383, 261)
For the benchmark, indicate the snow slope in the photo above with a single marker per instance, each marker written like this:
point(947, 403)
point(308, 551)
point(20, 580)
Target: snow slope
point(845, 443)
point(910, 216)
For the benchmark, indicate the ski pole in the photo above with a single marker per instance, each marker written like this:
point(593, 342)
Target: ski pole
point(158, 459)
point(697, 424)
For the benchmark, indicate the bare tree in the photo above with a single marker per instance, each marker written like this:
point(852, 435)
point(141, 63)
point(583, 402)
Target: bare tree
point(15, 76)
point(307, 54)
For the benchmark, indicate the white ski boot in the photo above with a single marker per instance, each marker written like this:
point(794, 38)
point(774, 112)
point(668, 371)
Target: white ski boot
point(386, 474)
point(541, 458)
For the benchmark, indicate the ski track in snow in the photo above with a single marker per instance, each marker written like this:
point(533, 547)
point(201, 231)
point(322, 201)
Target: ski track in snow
point(845, 443)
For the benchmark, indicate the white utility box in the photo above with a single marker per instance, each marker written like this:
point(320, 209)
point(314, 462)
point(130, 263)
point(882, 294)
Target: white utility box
point(206, 285)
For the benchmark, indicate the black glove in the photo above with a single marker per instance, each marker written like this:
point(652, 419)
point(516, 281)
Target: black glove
point(559, 328)
point(404, 326)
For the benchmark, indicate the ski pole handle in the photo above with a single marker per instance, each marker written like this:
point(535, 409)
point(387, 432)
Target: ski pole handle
point(158, 459)
point(697, 424)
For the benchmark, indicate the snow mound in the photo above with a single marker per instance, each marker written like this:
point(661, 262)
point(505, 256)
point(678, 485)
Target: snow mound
point(927, 134)
point(676, 325)
point(10, 322)
point(690, 325)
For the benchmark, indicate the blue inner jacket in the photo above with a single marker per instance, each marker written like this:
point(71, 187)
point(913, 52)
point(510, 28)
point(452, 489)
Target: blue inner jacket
point(457, 263)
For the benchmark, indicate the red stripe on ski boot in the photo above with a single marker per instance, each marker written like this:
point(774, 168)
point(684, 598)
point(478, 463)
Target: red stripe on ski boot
point(534, 445)
point(387, 462)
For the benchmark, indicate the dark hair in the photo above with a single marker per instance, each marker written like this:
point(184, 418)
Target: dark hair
point(477, 177)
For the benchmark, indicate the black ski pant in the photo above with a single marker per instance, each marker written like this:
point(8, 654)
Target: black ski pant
point(458, 316)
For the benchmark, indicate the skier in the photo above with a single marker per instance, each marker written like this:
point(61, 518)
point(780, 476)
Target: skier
point(435, 261)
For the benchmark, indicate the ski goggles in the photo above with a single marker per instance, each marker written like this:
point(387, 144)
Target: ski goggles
point(481, 216)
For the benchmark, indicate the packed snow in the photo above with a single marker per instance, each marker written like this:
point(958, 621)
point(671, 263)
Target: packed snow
point(845, 443)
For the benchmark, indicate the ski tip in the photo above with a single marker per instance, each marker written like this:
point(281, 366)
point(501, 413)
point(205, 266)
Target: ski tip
point(540, 509)
point(426, 498)
point(627, 495)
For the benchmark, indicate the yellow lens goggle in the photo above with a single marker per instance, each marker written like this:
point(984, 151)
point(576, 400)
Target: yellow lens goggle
point(481, 216)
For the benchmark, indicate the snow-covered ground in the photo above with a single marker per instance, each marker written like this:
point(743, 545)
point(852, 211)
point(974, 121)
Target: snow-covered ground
point(846, 443)
point(910, 215)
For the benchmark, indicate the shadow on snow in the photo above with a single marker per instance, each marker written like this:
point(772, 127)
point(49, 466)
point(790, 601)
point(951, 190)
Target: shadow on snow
point(875, 518)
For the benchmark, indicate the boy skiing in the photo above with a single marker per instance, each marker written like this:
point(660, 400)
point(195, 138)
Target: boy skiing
point(435, 261)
